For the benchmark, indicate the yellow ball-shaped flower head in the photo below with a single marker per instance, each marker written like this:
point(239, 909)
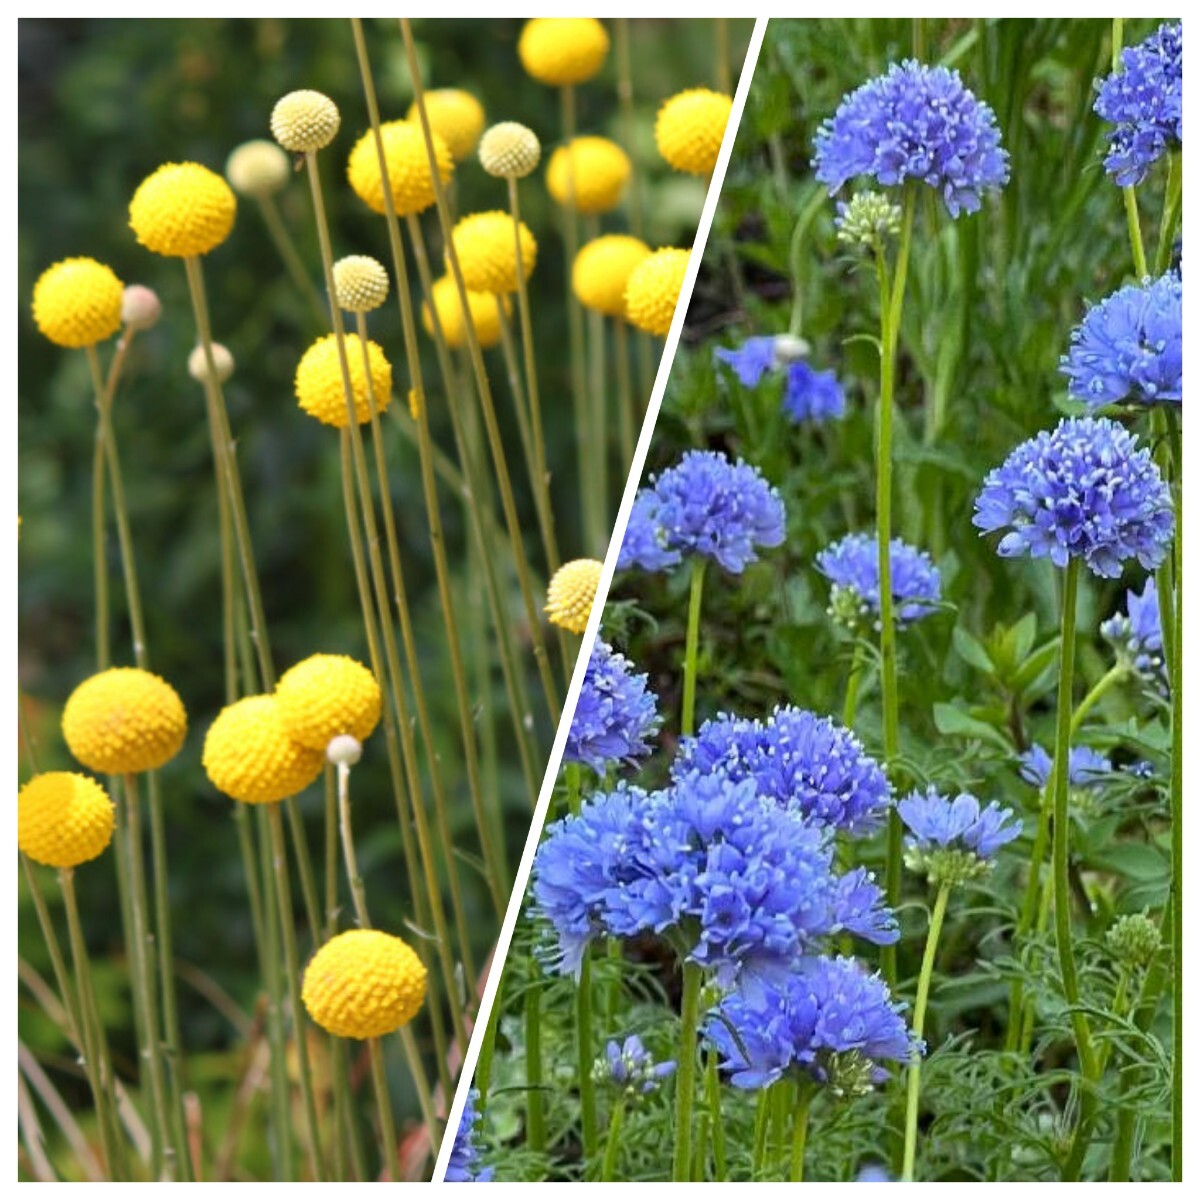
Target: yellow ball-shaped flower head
point(124, 721)
point(77, 302)
point(487, 251)
point(653, 289)
point(601, 171)
point(305, 120)
point(63, 819)
point(364, 984)
point(319, 386)
point(249, 756)
point(602, 269)
point(572, 592)
point(455, 116)
point(360, 283)
point(325, 695)
point(182, 210)
point(485, 313)
point(690, 128)
point(510, 150)
point(563, 50)
point(407, 168)
point(258, 168)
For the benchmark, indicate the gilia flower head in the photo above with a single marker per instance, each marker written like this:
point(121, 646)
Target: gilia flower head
point(1129, 347)
point(321, 390)
point(870, 219)
point(652, 293)
point(455, 116)
point(360, 283)
point(77, 303)
point(463, 1166)
point(799, 760)
point(952, 839)
point(915, 122)
point(561, 51)
point(1085, 767)
point(510, 150)
point(644, 545)
point(249, 755)
point(572, 592)
point(305, 120)
point(1083, 490)
point(327, 695)
point(487, 251)
point(808, 394)
point(616, 715)
point(1136, 634)
point(588, 174)
point(484, 308)
point(829, 1020)
point(852, 567)
point(601, 272)
point(690, 128)
point(63, 819)
point(258, 168)
point(630, 1069)
point(1144, 100)
point(408, 172)
point(182, 210)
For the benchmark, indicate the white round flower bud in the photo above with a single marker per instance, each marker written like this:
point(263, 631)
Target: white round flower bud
point(344, 750)
point(140, 307)
point(258, 168)
point(788, 349)
point(222, 361)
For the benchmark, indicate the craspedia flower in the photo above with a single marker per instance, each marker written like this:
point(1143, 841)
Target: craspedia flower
point(852, 566)
point(1129, 347)
point(258, 168)
point(487, 251)
point(364, 984)
point(561, 51)
point(327, 695)
point(510, 150)
point(1083, 490)
point(455, 116)
point(249, 756)
point(572, 592)
point(653, 289)
point(140, 308)
point(320, 389)
point(223, 363)
point(588, 174)
point(305, 120)
point(601, 272)
point(915, 122)
point(182, 210)
point(483, 306)
point(360, 283)
point(77, 302)
point(63, 819)
point(124, 721)
point(616, 715)
point(463, 1166)
point(408, 170)
point(690, 127)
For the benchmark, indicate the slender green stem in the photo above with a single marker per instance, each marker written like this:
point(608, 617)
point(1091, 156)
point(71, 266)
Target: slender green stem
point(685, 1078)
point(612, 1147)
point(1134, 223)
point(597, 435)
point(1113, 676)
point(627, 417)
point(687, 720)
point(416, 1070)
point(723, 75)
point(99, 556)
point(357, 891)
point(712, 1083)
point(383, 1104)
point(291, 257)
point(816, 203)
point(1172, 206)
point(585, 1056)
point(535, 1110)
point(800, 1131)
point(761, 1126)
point(858, 666)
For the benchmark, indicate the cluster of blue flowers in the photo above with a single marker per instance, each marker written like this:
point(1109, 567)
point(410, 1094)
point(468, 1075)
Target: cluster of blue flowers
point(630, 1068)
point(938, 822)
point(852, 566)
point(464, 1155)
point(1144, 101)
point(616, 715)
point(808, 394)
point(1136, 634)
point(1085, 767)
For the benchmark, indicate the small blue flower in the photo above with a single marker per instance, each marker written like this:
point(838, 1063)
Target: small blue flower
point(1085, 767)
point(751, 360)
point(644, 545)
point(1129, 347)
point(464, 1156)
point(1136, 635)
point(938, 822)
point(1083, 490)
point(915, 122)
point(874, 1173)
point(616, 715)
point(631, 1068)
point(852, 566)
point(810, 395)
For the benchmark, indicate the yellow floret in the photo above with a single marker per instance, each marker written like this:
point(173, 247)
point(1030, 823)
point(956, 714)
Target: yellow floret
point(249, 756)
point(183, 209)
point(690, 128)
point(359, 282)
point(325, 695)
point(77, 302)
point(487, 251)
point(601, 171)
point(653, 290)
point(364, 984)
point(572, 592)
point(563, 50)
point(258, 168)
point(407, 167)
point(510, 150)
point(485, 313)
point(602, 269)
point(63, 819)
point(124, 721)
point(305, 120)
point(319, 385)
point(455, 116)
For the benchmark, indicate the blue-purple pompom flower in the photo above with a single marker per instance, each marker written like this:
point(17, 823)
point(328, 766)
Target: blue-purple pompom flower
point(1136, 635)
point(616, 715)
point(952, 839)
point(644, 545)
point(630, 1068)
point(1085, 767)
point(920, 123)
point(464, 1156)
point(852, 566)
point(808, 395)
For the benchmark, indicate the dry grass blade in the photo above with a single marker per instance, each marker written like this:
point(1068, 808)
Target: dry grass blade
point(57, 1108)
point(31, 1135)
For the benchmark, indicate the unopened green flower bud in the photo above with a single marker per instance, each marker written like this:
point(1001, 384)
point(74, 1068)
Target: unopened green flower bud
point(869, 219)
point(849, 1074)
point(1133, 940)
point(945, 864)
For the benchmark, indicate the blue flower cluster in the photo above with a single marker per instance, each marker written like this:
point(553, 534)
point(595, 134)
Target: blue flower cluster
point(808, 394)
point(852, 566)
point(738, 884)
point(1144, 100)
point(1130, 346)
point(464, 1155)
point(1083, 490)
point(915, 122)
point(630, 1067)
point(1085, 766)
point(828, 1018)
point(939, 822)
point(616, 715)
point(800, 760)
point(706, 505)
point(1137, 633)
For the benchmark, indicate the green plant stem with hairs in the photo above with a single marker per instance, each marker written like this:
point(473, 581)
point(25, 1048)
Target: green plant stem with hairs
point(685, 1077)
point(535, 1110)
point(687, 719)
point(800, 1111)
point(612, 1145)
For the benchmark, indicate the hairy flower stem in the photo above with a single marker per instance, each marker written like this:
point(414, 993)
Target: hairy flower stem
point(804, 1095)
point(918, 1026)
point(858, 668)
point(612, 1146)
point(685, 1079)
point(712, 1085)
point(535, 1111)
point(762, 1123)
point(687, 719)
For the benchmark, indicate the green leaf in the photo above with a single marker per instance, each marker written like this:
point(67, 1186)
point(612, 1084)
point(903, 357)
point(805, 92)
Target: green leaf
point(1041, 660)
point(953, 722)
point(971, 650)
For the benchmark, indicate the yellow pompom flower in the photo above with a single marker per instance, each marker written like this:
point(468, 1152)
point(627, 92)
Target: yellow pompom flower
point(63, 819)
point(407, 167)
point(455, 116)
point(572, 592)
point(602, 269)
point(563, 50)
point(653, 289)
point(360, 283)
point(319, 386)
point(182, 210)
point(510, 150)
point(690, 128)
point(485, 312)
point(77, 302)
point(325, 695)
point(124, 721)
point(487, 251)
point(258, 168)
point(364, 984)
point(249, 756)
point(601, 171)
point(305, 120)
